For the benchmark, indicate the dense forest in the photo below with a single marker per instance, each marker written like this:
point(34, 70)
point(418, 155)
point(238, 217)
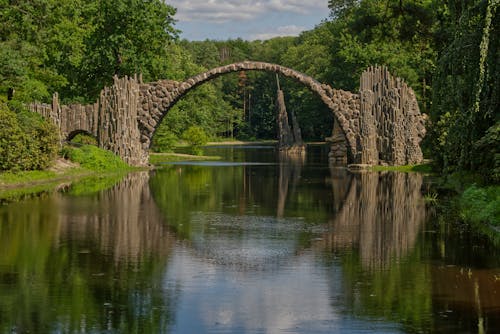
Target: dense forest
point(448, 51)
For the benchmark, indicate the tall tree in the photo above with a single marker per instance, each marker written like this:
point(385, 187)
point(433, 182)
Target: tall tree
point(466, 104)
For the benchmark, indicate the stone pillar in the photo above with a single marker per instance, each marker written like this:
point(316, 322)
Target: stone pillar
point(285, 136)
point(391, 125)
point(338, 147)
point(368, 132)
point(118, 126)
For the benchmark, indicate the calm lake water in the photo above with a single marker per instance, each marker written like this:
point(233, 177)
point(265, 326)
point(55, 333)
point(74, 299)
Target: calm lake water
point(253, 243)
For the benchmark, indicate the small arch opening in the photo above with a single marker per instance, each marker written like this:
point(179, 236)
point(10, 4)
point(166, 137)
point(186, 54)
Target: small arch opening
point(81, 137)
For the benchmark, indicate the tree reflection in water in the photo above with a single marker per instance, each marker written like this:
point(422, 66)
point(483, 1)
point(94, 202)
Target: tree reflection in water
point(89, 263)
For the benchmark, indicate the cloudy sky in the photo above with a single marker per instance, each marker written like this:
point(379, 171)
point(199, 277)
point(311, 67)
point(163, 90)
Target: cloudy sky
point(247, 19)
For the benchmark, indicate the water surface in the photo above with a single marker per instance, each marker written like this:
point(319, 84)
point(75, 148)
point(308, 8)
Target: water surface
point(255, 243)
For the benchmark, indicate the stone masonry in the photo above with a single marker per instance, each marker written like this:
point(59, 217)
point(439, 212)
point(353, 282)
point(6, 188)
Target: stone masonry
point(380, 125)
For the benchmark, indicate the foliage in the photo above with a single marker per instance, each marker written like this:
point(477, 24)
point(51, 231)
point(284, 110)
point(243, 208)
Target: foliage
point(196, 137)
point(481, 205)
point(75, 47)
point(489, 146)
point(27, 142)
point(94, 158)
point(164, 140)
point(467, 90)
point(41, 140)
point(11, 140)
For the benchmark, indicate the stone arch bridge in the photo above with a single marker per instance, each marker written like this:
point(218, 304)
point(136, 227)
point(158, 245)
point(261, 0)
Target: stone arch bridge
point(381, 124)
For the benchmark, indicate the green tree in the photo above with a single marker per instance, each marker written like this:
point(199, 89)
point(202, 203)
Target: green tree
point(196, 137)
point(402, 34)
point(467, 90)
point(127, 36)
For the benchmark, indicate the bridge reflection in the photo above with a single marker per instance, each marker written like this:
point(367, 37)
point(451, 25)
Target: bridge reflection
point(380, 214)
point(124, 222)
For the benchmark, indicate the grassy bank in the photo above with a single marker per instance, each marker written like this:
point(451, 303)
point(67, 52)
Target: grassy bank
point(75, 163)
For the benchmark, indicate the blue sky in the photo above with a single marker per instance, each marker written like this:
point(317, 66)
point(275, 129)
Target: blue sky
point(247, 19)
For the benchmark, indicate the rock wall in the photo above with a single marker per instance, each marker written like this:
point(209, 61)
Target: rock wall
point(112, 120)
point(390, 122)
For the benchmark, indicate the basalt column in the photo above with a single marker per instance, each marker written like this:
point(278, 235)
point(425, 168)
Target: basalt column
point(285, 136)
point(118, 127)
point(391, 125)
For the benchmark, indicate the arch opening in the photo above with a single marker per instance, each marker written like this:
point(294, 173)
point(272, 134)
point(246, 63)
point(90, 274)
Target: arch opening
point(81, 137)
point(159, 97)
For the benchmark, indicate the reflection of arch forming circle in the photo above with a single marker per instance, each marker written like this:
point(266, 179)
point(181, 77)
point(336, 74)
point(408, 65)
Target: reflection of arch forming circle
point(159, 97)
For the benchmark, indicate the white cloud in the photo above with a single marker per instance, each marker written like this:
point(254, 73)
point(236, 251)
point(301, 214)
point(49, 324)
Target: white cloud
point(220, 11)
point(291, 30)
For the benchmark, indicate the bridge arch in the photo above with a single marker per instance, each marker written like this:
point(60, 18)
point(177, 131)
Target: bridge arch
point(158, 97)
point(381, 124)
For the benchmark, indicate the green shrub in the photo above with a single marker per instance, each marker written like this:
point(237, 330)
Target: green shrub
point(196, 137)
point(94, 158)
point(42, 140)
point(11, 140)
point(164, 142)
point(27, 141)
point(481, 205)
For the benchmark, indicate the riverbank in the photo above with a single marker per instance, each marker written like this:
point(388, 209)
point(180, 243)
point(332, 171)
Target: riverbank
point(85, 162)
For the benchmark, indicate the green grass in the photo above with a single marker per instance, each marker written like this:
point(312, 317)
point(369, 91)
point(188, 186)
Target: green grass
point(159, 158)
point(91, 159)
point(424, 168)
point(95, 159)
point(25, 176)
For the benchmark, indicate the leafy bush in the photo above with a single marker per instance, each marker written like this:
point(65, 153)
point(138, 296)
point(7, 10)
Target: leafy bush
point(27, 141)
point(11, 140)
point(164, 141)
point(41, 140)
point(94, 158)
point(479, 205)
point(196, 137)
